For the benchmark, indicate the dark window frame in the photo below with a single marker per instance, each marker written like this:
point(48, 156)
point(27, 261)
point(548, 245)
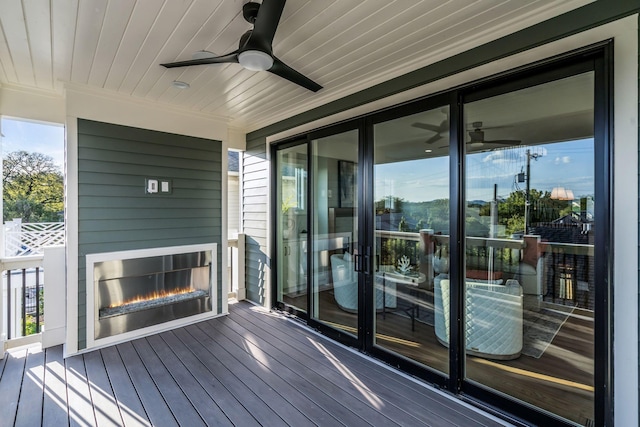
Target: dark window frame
point(597, 58)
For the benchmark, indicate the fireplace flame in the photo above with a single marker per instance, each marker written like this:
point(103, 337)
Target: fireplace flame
point(153, 296)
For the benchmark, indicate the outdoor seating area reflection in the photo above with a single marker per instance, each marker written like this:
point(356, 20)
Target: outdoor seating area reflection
point(508, 280)
point(528, 302)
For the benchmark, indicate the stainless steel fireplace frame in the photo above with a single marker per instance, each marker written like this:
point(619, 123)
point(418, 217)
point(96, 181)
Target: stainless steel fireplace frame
point(186, 309)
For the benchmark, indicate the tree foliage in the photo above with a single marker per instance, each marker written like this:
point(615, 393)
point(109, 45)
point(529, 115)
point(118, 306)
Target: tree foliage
point(33, 187)
point(435, 214)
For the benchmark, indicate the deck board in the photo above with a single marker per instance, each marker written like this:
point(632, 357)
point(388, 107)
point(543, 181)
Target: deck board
point(54, 405)
point(107, 412)
point(151, 398)
point(232, 408)
point(286, 410)
point(421, 400)
point(129, 405)
point(277, 375)
point(175, 397)
point(206, 406)
point(10, 386)
point(79, 399)
point(32, 385)
point(352, 405)
point(249, 368)
point(244, 394)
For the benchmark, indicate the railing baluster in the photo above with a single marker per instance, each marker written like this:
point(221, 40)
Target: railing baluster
point(24, 302)
point(8, 304)
point(37, 300)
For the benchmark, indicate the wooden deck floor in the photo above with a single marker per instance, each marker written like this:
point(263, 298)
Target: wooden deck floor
point(246, 369)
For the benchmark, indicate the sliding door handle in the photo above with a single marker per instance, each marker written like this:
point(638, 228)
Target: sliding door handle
point(367, 264)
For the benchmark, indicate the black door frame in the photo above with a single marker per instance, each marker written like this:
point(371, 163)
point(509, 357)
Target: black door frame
point(597, 58)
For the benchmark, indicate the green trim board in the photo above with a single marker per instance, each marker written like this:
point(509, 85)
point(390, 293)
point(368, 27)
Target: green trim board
point(257, 264)
point(589, 16)
point(114, 211)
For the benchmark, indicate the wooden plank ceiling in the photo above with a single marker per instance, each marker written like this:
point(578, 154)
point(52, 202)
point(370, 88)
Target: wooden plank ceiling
point(344, 45)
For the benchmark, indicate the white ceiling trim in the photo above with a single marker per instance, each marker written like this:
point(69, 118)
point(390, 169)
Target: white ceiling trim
point(505, 64)
point(347, 46)
point(516, 24)
point(103, 106)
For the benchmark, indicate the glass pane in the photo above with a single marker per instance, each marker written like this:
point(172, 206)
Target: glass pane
point(291, 193)
point(411, 193)
point(529, 246)
point(335, 222)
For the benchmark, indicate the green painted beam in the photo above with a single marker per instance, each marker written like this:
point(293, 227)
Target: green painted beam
point(592, 15)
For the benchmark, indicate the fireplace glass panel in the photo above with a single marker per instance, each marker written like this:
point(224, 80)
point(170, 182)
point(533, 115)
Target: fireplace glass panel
point(140, 292)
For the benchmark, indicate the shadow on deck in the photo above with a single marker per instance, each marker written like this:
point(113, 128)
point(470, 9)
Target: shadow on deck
point(249, 368)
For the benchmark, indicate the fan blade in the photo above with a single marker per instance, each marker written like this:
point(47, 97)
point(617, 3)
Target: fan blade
point(427, 126)
point(266, 23)
point(281, 69)
point(504, 141)
point(433, 139)
point(229, 58)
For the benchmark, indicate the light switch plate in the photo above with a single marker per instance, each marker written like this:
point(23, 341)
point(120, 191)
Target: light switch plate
point(152, 186)
point(165, 186)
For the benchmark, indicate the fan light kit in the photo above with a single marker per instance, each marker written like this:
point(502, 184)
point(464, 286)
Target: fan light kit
point(180, 85)
point(255, 50)
point(255, 60)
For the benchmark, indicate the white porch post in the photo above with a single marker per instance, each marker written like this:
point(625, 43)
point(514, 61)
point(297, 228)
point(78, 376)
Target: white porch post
point(238, 271)
point(54, 296)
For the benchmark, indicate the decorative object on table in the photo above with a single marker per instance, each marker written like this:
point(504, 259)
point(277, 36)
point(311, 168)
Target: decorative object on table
point(403, 265)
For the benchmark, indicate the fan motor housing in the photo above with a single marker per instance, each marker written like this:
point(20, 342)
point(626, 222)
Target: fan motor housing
point(250, 11)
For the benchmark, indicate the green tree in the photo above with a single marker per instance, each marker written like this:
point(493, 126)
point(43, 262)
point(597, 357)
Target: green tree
point(33, 187)
point(542, 208)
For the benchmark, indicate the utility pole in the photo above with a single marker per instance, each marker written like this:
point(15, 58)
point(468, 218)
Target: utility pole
point(527, 193)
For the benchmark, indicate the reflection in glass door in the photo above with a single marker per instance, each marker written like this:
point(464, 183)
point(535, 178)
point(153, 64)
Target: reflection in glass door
point(530, 219)
point(335, 231)
point(291, 226)
point(411, 211)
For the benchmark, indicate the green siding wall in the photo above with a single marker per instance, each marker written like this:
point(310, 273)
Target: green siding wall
point(255, 182)
point(115, 213)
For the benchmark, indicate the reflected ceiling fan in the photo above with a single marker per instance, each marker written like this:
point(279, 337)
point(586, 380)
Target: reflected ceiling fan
point(439, 130)
point(255, 50)
point(476, 136)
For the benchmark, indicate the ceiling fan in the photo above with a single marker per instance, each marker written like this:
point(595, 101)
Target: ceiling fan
point(476, 136)
point(255, 50)
point(439, 130)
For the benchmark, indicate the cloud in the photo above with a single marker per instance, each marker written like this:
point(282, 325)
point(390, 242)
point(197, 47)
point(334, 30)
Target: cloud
point(513, 154)
point(562, 160)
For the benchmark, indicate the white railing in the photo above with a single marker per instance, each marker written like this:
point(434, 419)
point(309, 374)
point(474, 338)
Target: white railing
point(26, 304)
point(30, 238)
point(22, 288)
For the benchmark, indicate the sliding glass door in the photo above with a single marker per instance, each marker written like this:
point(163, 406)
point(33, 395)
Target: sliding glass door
point(334, 219)
point(411, 211)
point(463, 238)
point(530, 216)
point(291, 226)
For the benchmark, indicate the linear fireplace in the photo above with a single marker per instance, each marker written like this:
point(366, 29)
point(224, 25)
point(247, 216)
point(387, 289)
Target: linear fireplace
point(134, 293)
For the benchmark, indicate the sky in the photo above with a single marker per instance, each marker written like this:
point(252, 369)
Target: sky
point(565, 164)
point(33, 137)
